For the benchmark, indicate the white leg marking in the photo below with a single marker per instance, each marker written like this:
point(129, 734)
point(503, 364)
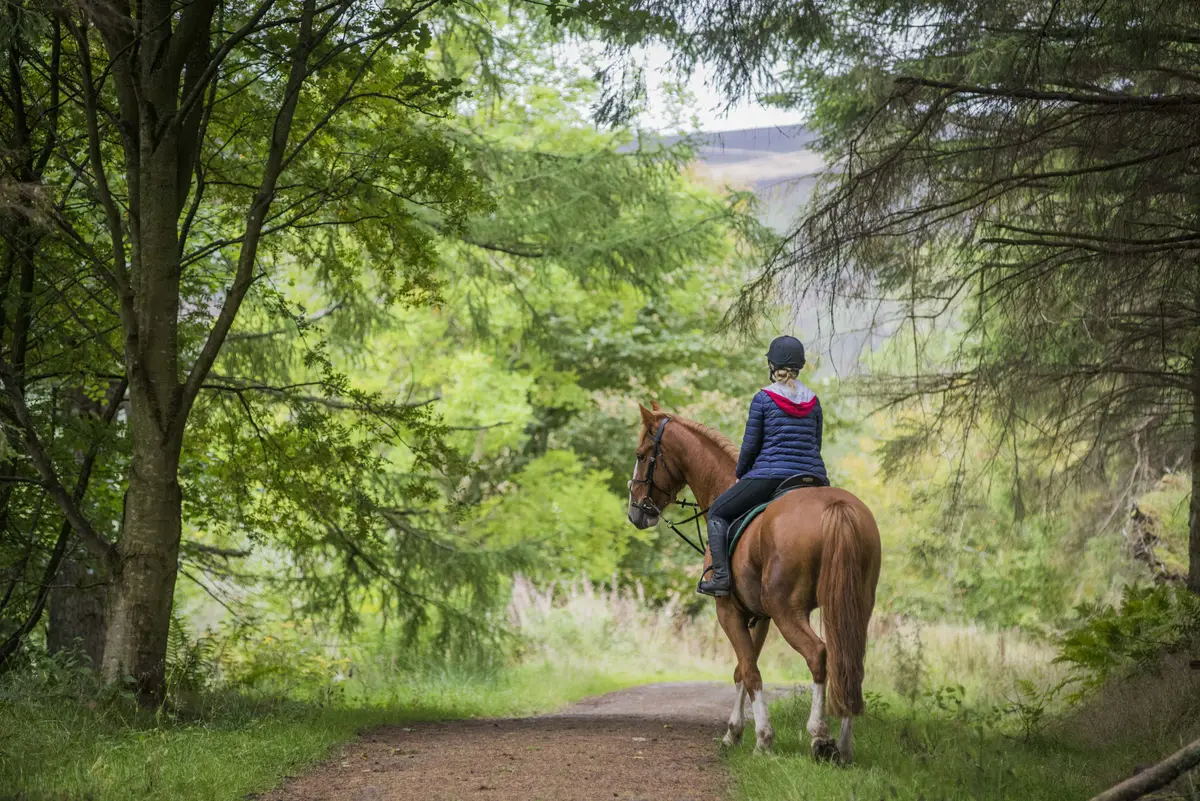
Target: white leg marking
point(737, 718)
point(762, 722)
point(845, 741)
point(817, 727)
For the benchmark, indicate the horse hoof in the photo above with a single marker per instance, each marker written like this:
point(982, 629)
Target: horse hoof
point(825, 750)
point(766, 739)
point(732, 737)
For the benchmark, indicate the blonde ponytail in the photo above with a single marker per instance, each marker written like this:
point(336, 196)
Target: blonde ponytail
point(785, 376)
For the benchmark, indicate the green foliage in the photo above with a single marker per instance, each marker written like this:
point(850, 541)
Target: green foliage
point(1150, 622)
point(460, 275)
point(564, 511)
point(978, 552)
point(191, 662)
point(1031, 706)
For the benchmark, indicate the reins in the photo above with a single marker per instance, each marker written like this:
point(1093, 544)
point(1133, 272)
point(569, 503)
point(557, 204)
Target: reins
point(700, 546)
point(647, 505)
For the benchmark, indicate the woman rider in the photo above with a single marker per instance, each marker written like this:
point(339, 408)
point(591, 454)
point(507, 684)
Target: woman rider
point(783, 439)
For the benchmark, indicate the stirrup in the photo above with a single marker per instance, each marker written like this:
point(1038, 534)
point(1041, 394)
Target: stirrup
point(719, 592)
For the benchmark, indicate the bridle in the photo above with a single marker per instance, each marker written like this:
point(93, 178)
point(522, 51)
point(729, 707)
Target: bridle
point(647, 505)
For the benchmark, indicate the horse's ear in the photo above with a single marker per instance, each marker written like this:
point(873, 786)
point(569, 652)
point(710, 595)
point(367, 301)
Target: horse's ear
point(647, 416)
point(654, 407)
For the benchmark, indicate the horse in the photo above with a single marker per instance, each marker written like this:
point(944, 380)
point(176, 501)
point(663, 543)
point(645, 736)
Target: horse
point(815, 547)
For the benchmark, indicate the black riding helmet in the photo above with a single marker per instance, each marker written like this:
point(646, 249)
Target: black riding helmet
point(786, 352)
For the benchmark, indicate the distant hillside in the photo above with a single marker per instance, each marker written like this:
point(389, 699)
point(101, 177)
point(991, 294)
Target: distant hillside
point(779, 165)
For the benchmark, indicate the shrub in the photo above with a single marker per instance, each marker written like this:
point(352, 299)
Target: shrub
point(1151, 622)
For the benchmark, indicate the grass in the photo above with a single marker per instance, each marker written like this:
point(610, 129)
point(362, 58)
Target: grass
point(53, 745)
point(937, 728)
point(928, 746)
point(916, 756)
point(61, 737)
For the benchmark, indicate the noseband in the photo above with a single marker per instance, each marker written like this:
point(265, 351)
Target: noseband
point(647, 505)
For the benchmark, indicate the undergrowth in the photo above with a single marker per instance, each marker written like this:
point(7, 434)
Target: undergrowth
point(63, 736)
point(954, 712)
point(249, 706)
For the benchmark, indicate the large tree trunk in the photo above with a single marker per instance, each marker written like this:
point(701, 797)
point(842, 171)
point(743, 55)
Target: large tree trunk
point(1193, 579)
point(77, 611)
point(143, 591)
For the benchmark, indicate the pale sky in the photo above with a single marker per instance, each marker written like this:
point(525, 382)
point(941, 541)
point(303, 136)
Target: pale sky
point(705, 104)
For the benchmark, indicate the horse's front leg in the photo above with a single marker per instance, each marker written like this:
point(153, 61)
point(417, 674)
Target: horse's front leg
point(746, 646)
point(737, 718)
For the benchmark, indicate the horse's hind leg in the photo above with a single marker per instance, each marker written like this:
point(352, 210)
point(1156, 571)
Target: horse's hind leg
point(798, 632)
point(737, 718)
point(734, 624)
point(845, 741)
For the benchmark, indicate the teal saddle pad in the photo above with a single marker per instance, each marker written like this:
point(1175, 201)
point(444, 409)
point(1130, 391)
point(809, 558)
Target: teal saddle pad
point(794, 483)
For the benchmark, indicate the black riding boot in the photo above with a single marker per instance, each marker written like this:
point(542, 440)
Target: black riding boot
point(718, 544)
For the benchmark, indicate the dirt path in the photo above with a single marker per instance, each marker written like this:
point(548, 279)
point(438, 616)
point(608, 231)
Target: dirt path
point(657, 742)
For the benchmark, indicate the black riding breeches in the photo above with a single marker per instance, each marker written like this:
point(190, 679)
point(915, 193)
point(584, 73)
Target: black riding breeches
point(742, 497)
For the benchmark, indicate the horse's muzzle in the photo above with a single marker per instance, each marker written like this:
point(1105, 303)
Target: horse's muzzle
point(641, 518)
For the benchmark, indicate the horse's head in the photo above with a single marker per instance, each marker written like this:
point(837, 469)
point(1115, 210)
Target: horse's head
point(655, 483)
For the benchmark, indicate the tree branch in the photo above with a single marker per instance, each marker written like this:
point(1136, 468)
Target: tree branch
point(254, 223)
point(1156, 777)
point(67, 502)
point(1182, 100)
point(10, 645)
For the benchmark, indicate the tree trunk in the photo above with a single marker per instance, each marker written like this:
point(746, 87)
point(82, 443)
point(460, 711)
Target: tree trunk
point(77, 611)
point(1193, 579)
point(141, 596)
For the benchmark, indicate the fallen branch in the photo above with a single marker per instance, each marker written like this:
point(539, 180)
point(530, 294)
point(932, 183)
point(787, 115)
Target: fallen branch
point(1154, 778)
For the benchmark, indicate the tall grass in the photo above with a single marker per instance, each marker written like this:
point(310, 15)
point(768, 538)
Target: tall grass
point(571, 626)
point(564, 626)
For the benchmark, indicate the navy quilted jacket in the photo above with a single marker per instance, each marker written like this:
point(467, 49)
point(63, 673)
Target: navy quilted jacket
point(783, 434)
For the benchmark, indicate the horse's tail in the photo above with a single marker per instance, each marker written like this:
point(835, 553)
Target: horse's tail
point(841, 591)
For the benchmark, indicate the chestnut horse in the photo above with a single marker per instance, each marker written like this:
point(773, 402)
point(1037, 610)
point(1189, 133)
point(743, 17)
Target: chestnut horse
point(814, 547)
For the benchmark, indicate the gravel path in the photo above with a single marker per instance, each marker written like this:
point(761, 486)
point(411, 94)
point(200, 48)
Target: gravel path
point(657, 742)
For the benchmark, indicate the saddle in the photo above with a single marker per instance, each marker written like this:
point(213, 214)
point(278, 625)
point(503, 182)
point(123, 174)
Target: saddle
point(789, 484)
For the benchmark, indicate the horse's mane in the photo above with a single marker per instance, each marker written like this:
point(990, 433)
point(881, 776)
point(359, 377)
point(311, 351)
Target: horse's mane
point(722, 441)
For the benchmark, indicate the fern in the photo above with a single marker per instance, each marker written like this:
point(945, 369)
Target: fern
point(192, 663)
point(1151, 622)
